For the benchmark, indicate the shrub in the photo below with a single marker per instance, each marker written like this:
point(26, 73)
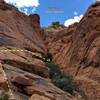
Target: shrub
point(5, 97)
point(3, 6)
point(54, 69)
point(59, 79)
point(40, 73)
point(65, 83)
point(56, 23)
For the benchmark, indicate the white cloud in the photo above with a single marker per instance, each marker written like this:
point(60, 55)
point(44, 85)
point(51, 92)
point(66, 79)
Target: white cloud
point(75, 13)
point(73, 20)
point(24, 3)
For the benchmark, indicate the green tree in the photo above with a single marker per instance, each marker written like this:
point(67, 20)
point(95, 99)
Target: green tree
point(59, 79)
point(56, 23)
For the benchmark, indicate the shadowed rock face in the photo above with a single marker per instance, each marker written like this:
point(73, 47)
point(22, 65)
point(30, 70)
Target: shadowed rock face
point(80, 55)
point(35, 22)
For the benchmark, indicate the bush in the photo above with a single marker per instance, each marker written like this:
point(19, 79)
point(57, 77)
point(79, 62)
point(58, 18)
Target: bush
point(65, 83)
point(59, 79)
point(54, 69)
point(56, 24)
point(5, 97)
point(40, 73)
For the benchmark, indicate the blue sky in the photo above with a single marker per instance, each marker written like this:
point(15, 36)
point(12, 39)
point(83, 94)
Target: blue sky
point(68, 8)
point(54, 10)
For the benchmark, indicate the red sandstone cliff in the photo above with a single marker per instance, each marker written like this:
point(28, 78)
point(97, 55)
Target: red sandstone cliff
point(23, 74)
point(77, 51)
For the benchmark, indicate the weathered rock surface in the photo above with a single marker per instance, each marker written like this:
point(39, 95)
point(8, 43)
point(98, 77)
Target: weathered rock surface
point(37, 86)
point(21, 56)
point(76, 49)
point(3, 80)
point(35, 22)
point(60, 43)
point(16, 30)
point(78, 52)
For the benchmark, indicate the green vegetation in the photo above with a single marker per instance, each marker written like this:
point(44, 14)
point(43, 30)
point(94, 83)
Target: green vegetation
point(54, 69)
point(65, 83)
point(56, 24)
point(16, 9)
point(5, 97)
point(40, 73)
point(59, 79)
point(2, 6)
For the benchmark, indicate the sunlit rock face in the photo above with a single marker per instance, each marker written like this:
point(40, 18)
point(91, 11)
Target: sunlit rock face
point(77, 50)
point(20, 30)
point(24, 76)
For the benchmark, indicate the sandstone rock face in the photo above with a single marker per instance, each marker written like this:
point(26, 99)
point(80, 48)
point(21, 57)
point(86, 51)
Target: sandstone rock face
point(32, 85)
point(18, 31)
point(23, 74)
point(60, 44)
point(35, 22)
point(76, 49)
point(3, 79)
point(80, 55)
